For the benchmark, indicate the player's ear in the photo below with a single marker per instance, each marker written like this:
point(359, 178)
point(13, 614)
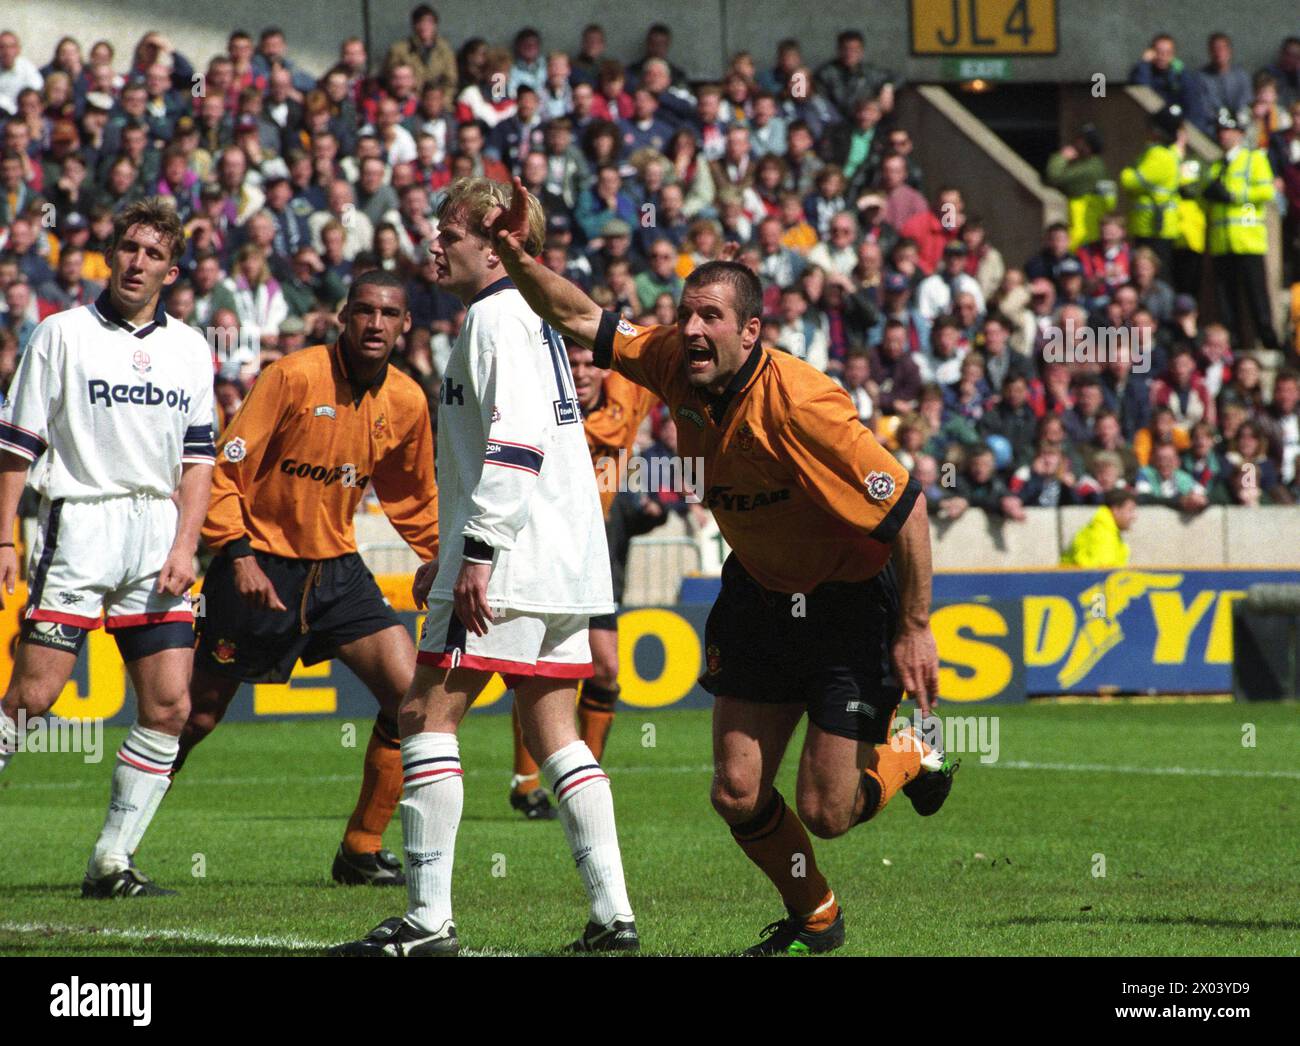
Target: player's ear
point(406, 320)
point(750, 332)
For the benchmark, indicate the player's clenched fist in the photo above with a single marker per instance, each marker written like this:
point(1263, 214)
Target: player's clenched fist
point(177, 574)
point(253, 585)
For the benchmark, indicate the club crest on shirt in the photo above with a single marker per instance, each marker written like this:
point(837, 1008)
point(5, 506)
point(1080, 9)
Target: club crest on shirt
point(880, 485)
point(235, 449)
point(380, 426)
point(496, 414)
point(325, 411)
point(745, 438)
point(626, 329)
point(140, 362)
point(224, 651)
point(713, 658)
point(690, 415)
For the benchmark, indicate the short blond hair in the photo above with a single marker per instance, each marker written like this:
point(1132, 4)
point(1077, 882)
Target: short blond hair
point(473, 198)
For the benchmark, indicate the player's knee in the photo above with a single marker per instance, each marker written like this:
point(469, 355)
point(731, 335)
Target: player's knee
point(734, 797)
point(605, 671)
point(822, 818)
point(167, 713)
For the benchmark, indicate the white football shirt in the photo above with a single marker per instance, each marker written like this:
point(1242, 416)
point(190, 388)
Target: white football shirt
point(105, 408)
point(514, 472)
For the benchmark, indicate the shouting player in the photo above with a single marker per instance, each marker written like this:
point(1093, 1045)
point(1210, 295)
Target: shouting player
point(522, 567)
point(287, 582)
point(113, 403)
point(829, 579)
point(612, 411)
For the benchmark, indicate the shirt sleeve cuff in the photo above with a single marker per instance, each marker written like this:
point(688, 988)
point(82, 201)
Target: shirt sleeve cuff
point(602, 351)
point(477, 551)
point(238, 548)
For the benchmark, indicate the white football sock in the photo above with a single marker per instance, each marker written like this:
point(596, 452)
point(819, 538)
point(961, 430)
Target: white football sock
point(140, 780)
point(433, 795)
point(8, 739)
point(587, 813)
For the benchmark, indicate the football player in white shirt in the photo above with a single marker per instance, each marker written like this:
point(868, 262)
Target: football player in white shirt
point(522, 566)
point(111, 409)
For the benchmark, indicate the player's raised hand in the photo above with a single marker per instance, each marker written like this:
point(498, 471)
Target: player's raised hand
point(177, 574)
point(469, 597)
point(254, 587)
point(423, 582)
point(8, 572)
point(916, 660)
point(507, 228)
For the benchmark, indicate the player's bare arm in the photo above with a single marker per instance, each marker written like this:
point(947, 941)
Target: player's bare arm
point(916, 658)
point(177, 574)
point(552, 297)
point(13, 477)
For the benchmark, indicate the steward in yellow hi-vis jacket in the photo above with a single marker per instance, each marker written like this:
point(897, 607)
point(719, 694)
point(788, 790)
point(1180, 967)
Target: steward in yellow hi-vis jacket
point(1237, 192)
point(826, 595)
point(319, 427)
point(1152, 182)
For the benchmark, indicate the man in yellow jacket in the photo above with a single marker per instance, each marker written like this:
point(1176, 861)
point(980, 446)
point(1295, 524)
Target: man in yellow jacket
point(1100, 544)
point(1237, 193)
point(1152, 182)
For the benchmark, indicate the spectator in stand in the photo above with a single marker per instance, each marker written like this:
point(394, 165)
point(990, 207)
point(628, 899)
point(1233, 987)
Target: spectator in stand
point(1100, 544)
point(1286, 71)
point(1201, 460)
point(849, 77)
point(1162, 430)
point(1107, 262)
point(1078, 170)
point(17, 73)
point(660, 277)
point(1220, 85)
point(978, 486)
point(1246, 388)
point(1046, 264)
point(896, 380)
point(1280, 423)
point(528, 67)
point(259, 305)
point(856, 380)
point(800, 334)
point(1162, 70)
point(20, 316)
point(1105, 473)
point(1046, 482)
point(1154, 294)
point(839, 254)
point(937, 294)
point(983, 261)
point(1164, 483)
point(69, 288)
point(1182, 391)
point(591, 52)
point(658, 42)
point(1284, 157)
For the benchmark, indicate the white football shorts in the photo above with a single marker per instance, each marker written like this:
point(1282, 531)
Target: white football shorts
point(103, 555)
point(519, 643)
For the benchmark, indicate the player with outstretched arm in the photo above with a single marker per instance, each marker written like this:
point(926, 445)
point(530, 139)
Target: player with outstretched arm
point(825, 601)
point(111, 408)
point(522, 567)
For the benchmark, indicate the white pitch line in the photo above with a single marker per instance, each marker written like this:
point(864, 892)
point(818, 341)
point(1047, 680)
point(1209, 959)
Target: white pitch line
point(1160, 771)
point(219, 940)
point(224, 782)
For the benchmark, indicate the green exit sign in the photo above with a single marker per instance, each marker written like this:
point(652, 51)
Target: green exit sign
point(977, 68)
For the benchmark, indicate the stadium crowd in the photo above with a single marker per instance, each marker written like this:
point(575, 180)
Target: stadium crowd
point(963, 361)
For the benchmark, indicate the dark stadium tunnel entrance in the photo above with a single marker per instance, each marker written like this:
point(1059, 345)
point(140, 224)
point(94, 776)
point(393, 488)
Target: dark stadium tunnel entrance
point(1024, 115)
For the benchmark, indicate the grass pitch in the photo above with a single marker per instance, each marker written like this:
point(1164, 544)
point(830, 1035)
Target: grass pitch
point(1198, 836)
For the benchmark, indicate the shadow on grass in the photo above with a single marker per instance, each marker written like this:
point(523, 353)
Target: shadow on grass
point(1151, 920)
point(48, 944)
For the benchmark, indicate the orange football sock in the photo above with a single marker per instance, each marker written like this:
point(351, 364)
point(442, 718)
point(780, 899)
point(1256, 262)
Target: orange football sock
point(526, 777)
point(893, 765)
point(381, 790)
point(595, 716)
point(777, 842)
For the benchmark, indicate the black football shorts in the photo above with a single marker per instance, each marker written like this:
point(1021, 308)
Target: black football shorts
point(328, 603)
point(834, 658)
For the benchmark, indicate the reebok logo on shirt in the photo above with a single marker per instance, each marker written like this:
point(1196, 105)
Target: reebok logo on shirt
point(147, 395)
